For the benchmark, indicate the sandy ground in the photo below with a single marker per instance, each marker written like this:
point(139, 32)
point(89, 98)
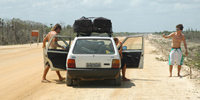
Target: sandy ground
point(21, 69)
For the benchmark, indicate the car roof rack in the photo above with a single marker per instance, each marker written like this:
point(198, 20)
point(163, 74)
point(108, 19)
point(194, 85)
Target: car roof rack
point(100, 34)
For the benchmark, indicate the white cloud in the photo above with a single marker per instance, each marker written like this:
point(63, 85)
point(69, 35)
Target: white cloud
point(96, 2)
point(106, 2)
point(197, 1)
point(179, 6)
point(188, 7)
point(154, 3)
point(87, 2)
point(39, 4)
point(135, 2)
point(5, 1)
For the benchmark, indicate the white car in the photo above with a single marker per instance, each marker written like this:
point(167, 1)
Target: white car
point(95, 57)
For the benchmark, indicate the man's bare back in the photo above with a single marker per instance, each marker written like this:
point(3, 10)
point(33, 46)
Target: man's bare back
point(49, 36)
point(54, 43)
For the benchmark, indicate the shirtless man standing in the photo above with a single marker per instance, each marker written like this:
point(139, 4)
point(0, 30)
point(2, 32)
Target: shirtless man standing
point(54, 31)
point(176, 52)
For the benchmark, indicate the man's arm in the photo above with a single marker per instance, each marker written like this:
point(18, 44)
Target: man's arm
point(185, 45)
point(55, 43)
point(168, 36)
point(44, 41)
point(120, 50)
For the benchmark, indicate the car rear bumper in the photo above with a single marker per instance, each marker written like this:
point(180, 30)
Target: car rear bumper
point(93, 74)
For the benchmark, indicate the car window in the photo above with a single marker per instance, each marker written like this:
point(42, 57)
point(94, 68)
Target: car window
point(63, 42)
point(133, 43)
point(93, 46)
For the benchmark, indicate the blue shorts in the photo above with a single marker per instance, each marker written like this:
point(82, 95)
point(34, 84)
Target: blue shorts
point(123, 62)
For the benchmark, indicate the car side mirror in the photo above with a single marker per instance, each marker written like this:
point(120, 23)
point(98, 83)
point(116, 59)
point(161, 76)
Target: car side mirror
point(124, 47)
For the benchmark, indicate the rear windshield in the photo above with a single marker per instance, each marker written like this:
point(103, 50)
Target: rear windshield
point(93, 46)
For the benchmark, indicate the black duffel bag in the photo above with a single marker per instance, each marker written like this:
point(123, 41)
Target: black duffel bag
point(102, 25)
point(83, 26)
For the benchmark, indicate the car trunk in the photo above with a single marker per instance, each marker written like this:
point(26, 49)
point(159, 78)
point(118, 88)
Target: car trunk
point(94, 61)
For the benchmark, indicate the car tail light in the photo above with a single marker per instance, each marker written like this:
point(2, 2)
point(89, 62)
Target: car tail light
point(71, 63)
point(115, 63)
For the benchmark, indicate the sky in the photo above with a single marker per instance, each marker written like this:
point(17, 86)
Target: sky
point(126, 15)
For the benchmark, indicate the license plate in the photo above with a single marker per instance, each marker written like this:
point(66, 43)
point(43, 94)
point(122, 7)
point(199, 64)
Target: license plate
point(93, 65)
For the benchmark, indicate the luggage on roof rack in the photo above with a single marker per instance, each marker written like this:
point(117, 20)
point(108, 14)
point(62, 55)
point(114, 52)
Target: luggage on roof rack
point(102, 25)
point(84, 26)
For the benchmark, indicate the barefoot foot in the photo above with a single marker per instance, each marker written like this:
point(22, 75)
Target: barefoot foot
point(61, 79)
point(45, 81)
point(125, 79)
point(179, 75)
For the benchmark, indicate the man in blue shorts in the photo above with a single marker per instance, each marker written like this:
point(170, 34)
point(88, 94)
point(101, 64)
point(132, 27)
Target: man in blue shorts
point(176, 52)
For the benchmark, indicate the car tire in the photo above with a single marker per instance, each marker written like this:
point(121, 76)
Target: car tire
point(69, 81)
point(118, 80)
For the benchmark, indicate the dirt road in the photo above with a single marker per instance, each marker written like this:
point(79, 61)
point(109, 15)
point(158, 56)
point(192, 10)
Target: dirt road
point(21, 69)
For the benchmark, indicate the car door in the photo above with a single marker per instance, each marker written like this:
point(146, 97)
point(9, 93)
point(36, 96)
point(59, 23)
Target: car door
point(133, 51)
point(56, 56)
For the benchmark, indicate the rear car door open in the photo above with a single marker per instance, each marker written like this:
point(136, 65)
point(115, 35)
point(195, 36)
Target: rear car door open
point(133, 51)
point(56, 56)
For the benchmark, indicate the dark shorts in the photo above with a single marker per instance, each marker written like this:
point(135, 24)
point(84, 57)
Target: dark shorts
point(123, 62)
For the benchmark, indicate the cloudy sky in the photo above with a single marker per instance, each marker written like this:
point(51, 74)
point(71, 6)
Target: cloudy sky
point(126, 15)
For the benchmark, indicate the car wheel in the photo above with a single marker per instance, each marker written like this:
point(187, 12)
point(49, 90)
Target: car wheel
point(118, 80)
point(69, 81)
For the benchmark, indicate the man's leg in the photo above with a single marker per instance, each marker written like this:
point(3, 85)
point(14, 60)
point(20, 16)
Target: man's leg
point(179, 69)
point(59, 76)
point(179, 61)
point(123, 74)
point(171, 61)
point(46, 69)
point(170, 70)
